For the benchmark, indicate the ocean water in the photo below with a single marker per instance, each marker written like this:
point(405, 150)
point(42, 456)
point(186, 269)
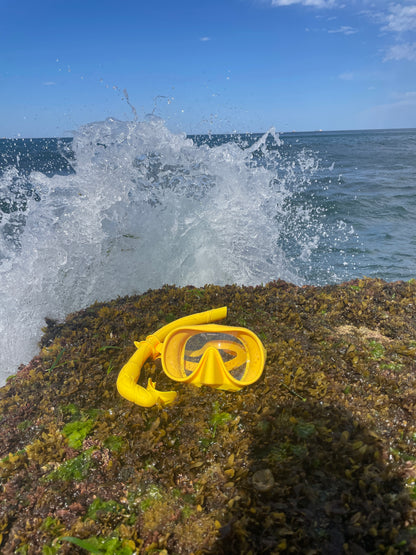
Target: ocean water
point(122, 207)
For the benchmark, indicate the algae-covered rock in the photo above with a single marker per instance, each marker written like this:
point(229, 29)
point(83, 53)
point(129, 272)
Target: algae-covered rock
point(318, 456)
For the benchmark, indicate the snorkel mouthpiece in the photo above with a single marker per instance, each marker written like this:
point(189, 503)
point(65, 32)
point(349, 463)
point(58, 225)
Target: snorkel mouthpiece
point(194, 351)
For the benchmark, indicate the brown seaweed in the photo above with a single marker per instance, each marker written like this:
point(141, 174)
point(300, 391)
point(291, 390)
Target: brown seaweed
point(319, 456)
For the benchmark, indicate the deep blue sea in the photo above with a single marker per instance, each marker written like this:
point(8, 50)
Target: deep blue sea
point(122, 207)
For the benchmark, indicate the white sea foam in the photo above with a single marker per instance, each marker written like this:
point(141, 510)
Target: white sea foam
point(146, 207)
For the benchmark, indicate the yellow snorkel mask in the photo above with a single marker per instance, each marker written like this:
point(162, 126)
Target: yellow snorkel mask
point(193, 350)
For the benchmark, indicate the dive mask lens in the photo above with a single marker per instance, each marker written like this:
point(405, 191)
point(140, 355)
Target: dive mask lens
point(220, 356)
point(231, 350)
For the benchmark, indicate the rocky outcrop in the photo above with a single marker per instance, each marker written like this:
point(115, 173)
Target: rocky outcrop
point(318, 456)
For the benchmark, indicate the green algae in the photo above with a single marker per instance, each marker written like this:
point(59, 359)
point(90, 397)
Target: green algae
point(100, 546)
point(376, 350)
point(152, 495)
point(331, 424)
point(98, 506)
point(114, 443)
point(71, 410)
point(55, 363)
point(218, 418)
point(52, 525)
point(77, 431)
point(76, 468)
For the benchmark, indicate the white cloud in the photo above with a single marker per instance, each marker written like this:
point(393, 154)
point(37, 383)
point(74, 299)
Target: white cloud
point(408, 97)
point(205, 39)
point(313, 3)
point(397, 18)
point(406, 51)
point(345, 30)
point(406, 100)
point(401, 100)
point(347, 76)
point(401, 112)
point(401, 18)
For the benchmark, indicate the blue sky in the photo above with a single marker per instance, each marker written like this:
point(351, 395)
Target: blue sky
point(207, 65)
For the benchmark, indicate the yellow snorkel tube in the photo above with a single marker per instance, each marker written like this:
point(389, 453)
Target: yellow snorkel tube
point(194, 351)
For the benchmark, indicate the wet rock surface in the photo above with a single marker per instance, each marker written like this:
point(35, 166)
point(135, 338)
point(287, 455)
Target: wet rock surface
point(318, 456)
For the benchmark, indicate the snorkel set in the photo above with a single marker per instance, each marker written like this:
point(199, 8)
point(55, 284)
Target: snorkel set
point(195, 351)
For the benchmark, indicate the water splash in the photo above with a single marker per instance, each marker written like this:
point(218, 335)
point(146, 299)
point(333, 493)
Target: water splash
point(145, 207)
